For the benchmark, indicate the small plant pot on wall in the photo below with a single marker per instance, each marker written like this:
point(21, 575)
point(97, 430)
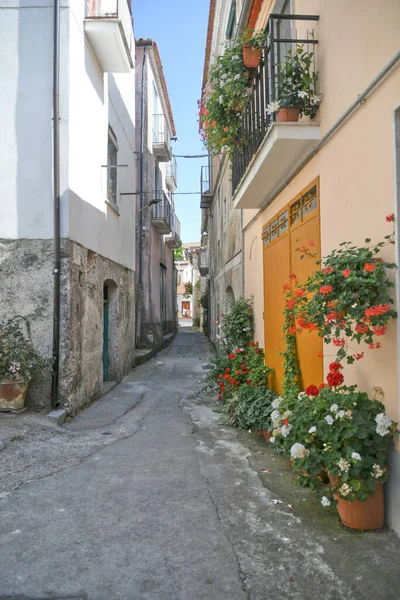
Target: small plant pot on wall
point(289, 114)
point(13, 394)
point(362, 516)
point(251, 56)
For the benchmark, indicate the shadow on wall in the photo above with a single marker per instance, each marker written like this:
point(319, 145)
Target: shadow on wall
point(229, 298)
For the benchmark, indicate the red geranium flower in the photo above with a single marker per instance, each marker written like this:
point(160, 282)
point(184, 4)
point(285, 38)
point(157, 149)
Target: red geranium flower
point(361, 328)
point(327, 270)
point(375, 311)
point(219, 377)
point(312, 390)
point(359, 356)
point(226, 376)
point(237, 371)
point(286, 287)
point(390, 218)
point(379, 330)
point(346, 273)
point(220, 397)
point(238, 350)
point(252, 344)
point(369, 267)
point(325, 289)
point(231, 356)
point(248, 382)
point(299, 293)
point(290, 303)
point(227, 370)
point(286, 421)
point(322, 386)
point(335, 379)
point(335, 366)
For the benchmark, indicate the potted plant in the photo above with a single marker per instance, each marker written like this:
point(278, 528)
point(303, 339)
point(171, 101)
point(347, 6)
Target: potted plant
point(341, 431)
point(296, 87)
point(19, 362)
point(252, 46)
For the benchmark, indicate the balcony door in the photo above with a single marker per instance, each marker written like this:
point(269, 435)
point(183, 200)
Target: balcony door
point(295, 225)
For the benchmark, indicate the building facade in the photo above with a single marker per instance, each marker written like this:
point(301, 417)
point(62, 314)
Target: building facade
point(188, 283)
point(329, 180)
point(158, 227)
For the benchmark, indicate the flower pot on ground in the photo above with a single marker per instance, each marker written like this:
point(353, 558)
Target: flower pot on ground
point(251, 56)
point(19, 363)
point(13, 394)
point(362, 516)
point(288, 114)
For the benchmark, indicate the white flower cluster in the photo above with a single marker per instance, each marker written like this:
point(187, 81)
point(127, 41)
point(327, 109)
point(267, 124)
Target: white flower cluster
point(15, 367)
point(312, 429)
point(315, 100)
point(377, 471)
point(382, 424)
point(298, 451)
point(276, 418)
point(329, 419)
point(339, 414)
point(275, 403)
point(246, 328)
point(345, 490)
point(325, 501)
point(286, 430)
point(344, 465)
point(301, 395)
point(302, 94)
point(272, 108)
point(355, 456)
point(334, 408)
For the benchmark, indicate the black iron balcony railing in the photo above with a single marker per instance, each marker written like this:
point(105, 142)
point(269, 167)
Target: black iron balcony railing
point(170, 175)
point(161, 212)
point(282, 37)
point(206, 186)
point(174, 238)
point(204, 261)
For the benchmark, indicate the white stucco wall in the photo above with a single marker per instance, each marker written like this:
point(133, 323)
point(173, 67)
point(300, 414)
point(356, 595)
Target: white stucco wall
point(89, 101)
point(26, 63)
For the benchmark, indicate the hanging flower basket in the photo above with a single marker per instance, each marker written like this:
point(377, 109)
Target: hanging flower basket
point(251, 56)
point(362, 516)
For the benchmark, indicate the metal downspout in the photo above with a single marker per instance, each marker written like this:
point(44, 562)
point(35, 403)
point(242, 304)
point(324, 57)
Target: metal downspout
point(56, 200)
point(360, 99)
point(141, 173)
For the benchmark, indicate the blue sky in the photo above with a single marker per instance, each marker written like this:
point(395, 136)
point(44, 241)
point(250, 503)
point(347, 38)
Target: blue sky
point(180, 27)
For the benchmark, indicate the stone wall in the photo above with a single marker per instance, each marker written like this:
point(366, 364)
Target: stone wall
point(26, 288)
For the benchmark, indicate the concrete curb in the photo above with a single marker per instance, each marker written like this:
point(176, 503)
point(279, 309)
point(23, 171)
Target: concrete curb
point(145, 354)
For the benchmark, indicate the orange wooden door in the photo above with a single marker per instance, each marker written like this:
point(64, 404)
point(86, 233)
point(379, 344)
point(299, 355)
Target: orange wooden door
point(296, 225)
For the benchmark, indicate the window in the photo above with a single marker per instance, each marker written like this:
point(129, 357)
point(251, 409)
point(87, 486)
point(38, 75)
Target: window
point(230, 30)
point(112, 155)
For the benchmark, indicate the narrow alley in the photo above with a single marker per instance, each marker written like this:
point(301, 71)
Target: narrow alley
point(153, 498)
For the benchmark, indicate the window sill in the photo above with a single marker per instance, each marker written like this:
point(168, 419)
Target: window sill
point(115, 207)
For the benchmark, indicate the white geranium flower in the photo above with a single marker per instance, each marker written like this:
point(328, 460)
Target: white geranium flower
point(237, 76)
point(344, 465)
point(272, 108)
point(329, 419)
point(334, 408)
point(224, 76)
point(325, 501)
point(301, 395)
point(298, 451)
point(345, 490)
point(276, 432)
point(276, 416)
point(302, 94)
point(287, 414)
point(221, 99)
point(218, 337)
point(377, 471)
point(340, 414)
point(382, 431)
point(246, 328)
point(314, 100)
point(383, 420)
point(275, 403)
point(272, 439)
point(286, 430)
point(312, 429)
point(355, 456)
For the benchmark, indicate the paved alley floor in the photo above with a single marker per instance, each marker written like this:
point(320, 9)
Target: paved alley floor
point(147, 496)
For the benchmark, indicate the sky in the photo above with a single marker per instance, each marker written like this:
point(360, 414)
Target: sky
point(180, 27)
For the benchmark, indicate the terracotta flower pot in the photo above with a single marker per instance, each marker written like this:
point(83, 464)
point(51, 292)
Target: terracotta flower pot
point(362, 516)
point(288, 114)
point(251, 56)
point(12, 394)
point(267, 435)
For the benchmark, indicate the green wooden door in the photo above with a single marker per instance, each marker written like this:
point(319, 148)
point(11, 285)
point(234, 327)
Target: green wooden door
point(105, 334)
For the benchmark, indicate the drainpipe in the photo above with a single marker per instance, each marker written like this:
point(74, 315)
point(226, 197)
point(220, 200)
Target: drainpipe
point(141, 173)
point(56, 200)
point(244, 16)
point(360, 99)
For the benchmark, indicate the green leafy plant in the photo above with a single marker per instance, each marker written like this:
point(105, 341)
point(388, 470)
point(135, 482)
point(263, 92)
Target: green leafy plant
point(236, 328)
point(18, 357)
point(297, 83)
point(188, 289)
point(249, 407)
point(341, 431)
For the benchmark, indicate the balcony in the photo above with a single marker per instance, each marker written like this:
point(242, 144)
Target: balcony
point(161, 138)
point(273, 149)
point(170, 177)
point(161, 213)
point(204, 262)
point(206, 187)
point(108, 26)
point(174, 239)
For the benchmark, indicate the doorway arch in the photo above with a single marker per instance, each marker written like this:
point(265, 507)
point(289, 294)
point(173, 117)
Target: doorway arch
point(110, 330)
